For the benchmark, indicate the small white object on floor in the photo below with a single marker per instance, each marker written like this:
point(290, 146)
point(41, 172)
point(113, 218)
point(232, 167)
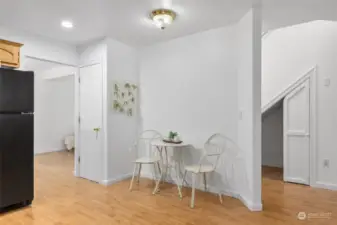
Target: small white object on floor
point(69, 141)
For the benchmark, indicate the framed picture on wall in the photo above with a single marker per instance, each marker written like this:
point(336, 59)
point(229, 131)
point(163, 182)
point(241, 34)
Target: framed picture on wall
point(124, 97)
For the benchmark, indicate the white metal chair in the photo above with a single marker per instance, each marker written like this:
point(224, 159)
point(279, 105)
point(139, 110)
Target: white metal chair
point(213, 149)
point(150, 157)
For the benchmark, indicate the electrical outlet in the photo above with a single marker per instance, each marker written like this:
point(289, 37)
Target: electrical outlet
point(326, 163)
point(240, 114)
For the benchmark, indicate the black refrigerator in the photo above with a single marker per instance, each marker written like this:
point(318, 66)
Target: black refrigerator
point(16, 137)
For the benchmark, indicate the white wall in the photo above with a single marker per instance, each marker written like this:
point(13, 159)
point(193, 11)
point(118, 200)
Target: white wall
point(122, 65)
point(54, 111)
point(189, 85)
point(92, 53)
point(288, 54)
point(41, 47)
point(272, 137)
point(249, 104)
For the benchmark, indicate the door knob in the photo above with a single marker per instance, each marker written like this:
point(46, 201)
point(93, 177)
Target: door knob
point(97, 129)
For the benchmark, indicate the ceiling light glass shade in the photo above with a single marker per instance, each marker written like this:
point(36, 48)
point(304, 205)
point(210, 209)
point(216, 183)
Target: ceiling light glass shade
point(162, 17)
point(67, 24)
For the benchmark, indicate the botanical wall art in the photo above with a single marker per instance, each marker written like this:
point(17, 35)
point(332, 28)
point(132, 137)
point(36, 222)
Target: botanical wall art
point(124, 97)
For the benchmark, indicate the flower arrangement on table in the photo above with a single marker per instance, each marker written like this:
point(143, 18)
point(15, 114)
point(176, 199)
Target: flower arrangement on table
point(173, 137)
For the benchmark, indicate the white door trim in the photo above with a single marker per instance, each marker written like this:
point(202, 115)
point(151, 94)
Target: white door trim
point(76, 89)
point(289, 89)
point(105, 118)
point(77, 124)
point(51, 61)
point(92, 63)
point(313, 126)
point(312, 76)
point(299, 133)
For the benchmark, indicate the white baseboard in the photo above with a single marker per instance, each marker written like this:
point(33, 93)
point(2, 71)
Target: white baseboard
point(50, 151)
point(115, 179)
point(295, 180)
point(254, 207)
point(324, 185)
point(230, 193)
point(75, 173)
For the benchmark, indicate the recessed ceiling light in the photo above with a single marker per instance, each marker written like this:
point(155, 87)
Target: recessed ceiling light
point(162, 17)
point(67, 24)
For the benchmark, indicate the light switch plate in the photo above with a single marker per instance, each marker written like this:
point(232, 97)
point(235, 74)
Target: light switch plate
point(326, 163)
point(327, 82)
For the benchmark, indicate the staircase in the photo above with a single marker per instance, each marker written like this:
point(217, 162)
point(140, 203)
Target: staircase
point(285, 92)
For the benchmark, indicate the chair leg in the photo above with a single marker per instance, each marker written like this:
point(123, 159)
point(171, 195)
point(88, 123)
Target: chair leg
point(220, 198)
point(184, 178)
point(179, 184)
point(205, 182)
point(133, 177)
point(156, 188)
point(166, 167)
point(159, 169)
point(154, 173)
point(139, 169)
point(193, 189)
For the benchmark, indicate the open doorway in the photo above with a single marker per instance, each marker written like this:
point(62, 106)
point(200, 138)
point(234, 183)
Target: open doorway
point(272, 142)
point(54, 128)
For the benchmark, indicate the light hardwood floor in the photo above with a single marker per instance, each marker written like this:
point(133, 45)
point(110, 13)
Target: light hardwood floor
point(63, 199)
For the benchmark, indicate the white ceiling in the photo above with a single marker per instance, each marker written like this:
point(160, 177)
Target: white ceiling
point(127, 20)
point(280, 13)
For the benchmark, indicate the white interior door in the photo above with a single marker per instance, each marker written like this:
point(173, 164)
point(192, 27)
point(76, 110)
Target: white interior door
point(297, 135)
point(90, 126)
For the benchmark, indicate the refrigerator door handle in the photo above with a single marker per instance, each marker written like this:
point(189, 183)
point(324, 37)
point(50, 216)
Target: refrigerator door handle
point(27, 113)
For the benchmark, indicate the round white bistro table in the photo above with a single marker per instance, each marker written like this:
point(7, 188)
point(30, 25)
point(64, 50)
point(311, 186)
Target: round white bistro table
point(174, 163)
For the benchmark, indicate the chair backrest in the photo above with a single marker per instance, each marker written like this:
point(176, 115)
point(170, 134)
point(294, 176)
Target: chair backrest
point(143, 144)
point(214, 147)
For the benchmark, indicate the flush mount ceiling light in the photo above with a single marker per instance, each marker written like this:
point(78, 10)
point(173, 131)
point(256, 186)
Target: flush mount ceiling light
point(67, 24)
point(162, 17)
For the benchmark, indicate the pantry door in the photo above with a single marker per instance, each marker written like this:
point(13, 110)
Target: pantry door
point(297, 134)
point(90, 122)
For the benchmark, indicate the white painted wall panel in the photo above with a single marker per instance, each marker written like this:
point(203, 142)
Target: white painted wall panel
point(249, 104)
